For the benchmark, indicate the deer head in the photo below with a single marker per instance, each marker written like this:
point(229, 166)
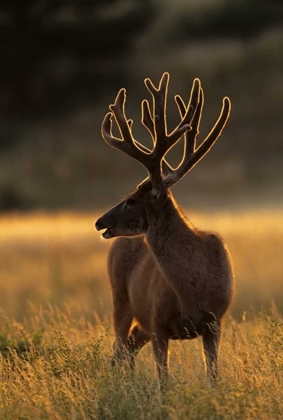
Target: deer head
point(131, 216)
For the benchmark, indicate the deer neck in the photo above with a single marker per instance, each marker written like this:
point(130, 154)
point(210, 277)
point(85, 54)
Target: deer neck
point(168, 233)
point(172, 239)
point(164, 223)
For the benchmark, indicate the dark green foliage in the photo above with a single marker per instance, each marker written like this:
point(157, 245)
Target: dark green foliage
point(235, 19)
point(57, 53)
point(11, 198)
point(22, 346)
point(63, 61)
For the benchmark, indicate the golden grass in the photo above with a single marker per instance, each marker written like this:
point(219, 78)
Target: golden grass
point(68, 376)
point(61, 259)
point(56, 336)
point(52, 258)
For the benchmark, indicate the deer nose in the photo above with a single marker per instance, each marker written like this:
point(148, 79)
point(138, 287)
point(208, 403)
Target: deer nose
point(99, 225)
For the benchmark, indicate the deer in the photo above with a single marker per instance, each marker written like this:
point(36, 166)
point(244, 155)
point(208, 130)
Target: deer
point(169, 280)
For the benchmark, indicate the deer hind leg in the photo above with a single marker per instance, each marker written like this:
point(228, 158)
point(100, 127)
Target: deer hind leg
point(211, 340)
point(137, 339)
point(160, 350)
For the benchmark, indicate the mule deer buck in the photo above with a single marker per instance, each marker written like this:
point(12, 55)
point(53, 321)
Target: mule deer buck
point(168, 279)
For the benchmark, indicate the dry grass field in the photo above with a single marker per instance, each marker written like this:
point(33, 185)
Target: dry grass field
point(56, 334)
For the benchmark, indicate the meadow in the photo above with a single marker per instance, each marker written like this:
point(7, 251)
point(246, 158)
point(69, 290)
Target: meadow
point(56, 333)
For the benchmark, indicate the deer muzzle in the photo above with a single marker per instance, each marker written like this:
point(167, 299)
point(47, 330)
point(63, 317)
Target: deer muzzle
point(99, 225)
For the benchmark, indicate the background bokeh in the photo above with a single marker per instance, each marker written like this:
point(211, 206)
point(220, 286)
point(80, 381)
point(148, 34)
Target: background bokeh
point(62, 63)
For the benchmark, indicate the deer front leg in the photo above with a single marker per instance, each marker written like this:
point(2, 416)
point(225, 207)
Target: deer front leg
point(136, 341)
point(211, 341)
point(160, 350)
point(122, 324)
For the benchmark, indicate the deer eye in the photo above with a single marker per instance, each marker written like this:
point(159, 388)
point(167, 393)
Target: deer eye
point(130, 201)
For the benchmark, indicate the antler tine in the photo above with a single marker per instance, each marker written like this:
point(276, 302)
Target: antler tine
point(214, 134)
point(156, 122)
point(196, 102)
point(159, 104)
point(156, 126)
point(192, 157)
point(196, 99)
point(127, 144)
point(147, 121)
point(190, 137)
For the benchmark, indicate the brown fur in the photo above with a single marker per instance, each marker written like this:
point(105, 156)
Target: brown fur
point(168, 279)
point(173, 281)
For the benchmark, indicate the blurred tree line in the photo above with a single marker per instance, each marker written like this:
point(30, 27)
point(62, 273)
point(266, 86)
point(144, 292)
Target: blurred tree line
point(60, 56)
point(56, 53)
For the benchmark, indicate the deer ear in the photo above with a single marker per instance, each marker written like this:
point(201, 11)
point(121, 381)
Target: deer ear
point(158, 197)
